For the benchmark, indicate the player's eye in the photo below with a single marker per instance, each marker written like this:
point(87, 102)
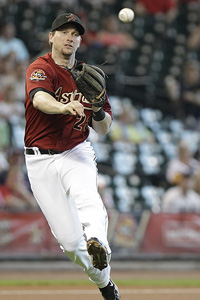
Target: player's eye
point(76, 33)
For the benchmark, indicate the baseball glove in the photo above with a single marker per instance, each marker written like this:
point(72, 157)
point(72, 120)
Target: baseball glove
point(90, 80)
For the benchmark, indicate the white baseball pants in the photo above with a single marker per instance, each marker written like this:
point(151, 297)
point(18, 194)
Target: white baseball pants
point(65, 187)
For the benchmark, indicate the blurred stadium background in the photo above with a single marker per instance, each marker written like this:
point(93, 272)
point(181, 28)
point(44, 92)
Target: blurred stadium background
point(133, 158)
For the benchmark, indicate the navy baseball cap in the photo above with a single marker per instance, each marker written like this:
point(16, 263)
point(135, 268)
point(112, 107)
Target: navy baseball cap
point(68, 18)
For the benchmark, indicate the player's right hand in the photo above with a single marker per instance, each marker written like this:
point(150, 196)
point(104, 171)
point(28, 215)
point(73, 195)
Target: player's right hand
point(73, 108)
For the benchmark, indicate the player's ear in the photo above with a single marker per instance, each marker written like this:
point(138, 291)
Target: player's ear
point(80, 40)
point(50, 36)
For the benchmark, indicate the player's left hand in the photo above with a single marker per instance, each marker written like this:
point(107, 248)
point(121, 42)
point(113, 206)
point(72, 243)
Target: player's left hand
point(91, 82)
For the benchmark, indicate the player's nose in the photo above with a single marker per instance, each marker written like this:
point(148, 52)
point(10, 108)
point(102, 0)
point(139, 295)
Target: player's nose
point(69, 36)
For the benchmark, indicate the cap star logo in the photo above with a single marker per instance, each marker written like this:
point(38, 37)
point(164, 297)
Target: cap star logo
point(38, 75)
point(71, 18)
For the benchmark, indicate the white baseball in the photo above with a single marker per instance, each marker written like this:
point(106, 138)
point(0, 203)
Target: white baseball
point(126, 15)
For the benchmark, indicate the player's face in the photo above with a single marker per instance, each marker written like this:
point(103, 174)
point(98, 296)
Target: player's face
point(65, 41)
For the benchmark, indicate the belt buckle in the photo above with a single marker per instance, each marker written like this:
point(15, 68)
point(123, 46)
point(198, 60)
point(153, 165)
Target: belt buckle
point(36, 150)
point(51, 152)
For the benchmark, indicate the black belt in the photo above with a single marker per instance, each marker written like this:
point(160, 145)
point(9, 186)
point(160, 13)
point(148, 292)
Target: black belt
point(42, 151)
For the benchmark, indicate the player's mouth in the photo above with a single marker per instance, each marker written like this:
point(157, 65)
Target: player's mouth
point(68, 46)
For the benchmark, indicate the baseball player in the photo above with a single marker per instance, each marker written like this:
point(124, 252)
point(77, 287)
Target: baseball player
point(60, 161)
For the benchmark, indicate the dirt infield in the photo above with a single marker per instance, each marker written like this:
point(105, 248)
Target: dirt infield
point(91, 294)
point(134, 285)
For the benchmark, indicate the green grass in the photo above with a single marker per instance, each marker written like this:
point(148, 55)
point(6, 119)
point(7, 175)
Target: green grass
point(34, 282)
point(185, 282)
point(164, 283)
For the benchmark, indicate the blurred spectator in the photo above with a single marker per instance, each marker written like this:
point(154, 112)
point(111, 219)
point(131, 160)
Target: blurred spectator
point(173, 88)
point(185, 92)
point(128, 127)
point(105, 192)
point(112, 35)
point(12, 116)
point(194, 39)
point(152, 7)
point(7, 66)
point(181, 198)
point(182, 163)
point(15, 190)
point(9, 105)
point(9, 43)
point(16, 79)
point(190, 88)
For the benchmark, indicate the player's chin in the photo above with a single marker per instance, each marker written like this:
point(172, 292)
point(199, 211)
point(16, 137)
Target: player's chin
point(68, 51)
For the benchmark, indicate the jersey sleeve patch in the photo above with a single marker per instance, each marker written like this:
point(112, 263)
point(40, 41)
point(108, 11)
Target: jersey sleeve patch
point(38, 75)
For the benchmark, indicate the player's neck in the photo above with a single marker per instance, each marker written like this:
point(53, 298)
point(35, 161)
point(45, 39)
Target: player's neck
point(64, 62)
